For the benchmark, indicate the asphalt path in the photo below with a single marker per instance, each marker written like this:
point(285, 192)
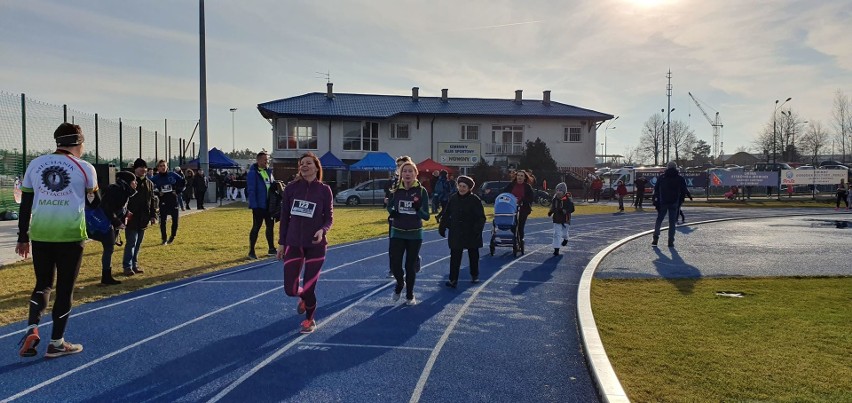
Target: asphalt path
point(233, 335)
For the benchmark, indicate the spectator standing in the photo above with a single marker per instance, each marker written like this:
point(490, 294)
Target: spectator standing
point(442, 190)
point(165, 187)
point(179, 191)
point(54, 190)
point(620, 192)
point(199, 185)
point(306, 217)
point(639, 185)
point(188, 189)
point(561, 208)
point(669, 193)
point(114, 204)
point(841, 196)
point(464, 217)
point(143, 209)
point(258, 181)
point(597, 187)
point(408, 208)
point(521, 188)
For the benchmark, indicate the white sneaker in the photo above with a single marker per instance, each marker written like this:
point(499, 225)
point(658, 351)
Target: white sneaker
point(411, 302)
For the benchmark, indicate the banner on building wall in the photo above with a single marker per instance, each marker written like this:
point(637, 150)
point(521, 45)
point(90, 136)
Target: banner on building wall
point(459, 154)
point(724, 177)
point(813, 176)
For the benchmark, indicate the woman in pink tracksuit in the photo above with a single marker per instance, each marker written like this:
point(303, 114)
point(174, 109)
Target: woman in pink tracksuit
point(306, 217)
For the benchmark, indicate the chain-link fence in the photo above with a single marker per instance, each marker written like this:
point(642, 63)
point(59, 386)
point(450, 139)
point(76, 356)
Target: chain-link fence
point(26, 131)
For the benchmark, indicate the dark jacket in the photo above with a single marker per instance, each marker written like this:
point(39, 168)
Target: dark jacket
point(199, 183)
point(465, 218)
point(144, 205)
point(115, 201)
point(670, 188)
point(305, 208)
point(561, 209)
point(166, 186)
point(406, 214)
point(257, 189)
point(525, 202)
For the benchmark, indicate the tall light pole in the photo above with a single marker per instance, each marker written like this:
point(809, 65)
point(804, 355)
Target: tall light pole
point(233, 142)
point(775, 129)
point(605, 129)
point(667, 141)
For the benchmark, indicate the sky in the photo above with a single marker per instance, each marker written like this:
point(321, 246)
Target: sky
point(140, 59)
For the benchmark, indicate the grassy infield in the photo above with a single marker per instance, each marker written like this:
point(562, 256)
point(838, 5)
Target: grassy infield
point(790, 339)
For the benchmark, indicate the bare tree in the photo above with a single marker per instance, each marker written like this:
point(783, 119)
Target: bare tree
point(651, 141)
point(632, 156)
point(790, 126)
point(841, 120)
point(814, 141)
point(682, 138)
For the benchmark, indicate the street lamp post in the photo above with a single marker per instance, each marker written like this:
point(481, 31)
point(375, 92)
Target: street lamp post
point(775, 129)
point(605, 142)
point(233, 142)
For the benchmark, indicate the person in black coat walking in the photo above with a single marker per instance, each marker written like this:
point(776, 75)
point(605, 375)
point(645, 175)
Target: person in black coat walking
point(114, 203)
point(669, 193)
point(199, 184)
point(464, 216)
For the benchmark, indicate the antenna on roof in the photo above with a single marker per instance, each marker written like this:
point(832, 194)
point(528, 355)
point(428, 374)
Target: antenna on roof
point(326, 76)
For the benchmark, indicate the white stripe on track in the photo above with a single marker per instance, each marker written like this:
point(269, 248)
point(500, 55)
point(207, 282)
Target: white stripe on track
point(430, 363)
point(367, 346)
point(128, 347)
point(298, 340)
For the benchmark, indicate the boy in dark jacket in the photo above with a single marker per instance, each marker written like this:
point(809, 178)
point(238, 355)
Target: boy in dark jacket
point(464, 216)
point(561, 208)
point(114, 203)
point(166, 185)
point(142, 210)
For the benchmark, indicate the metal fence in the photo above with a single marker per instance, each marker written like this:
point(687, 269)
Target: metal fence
point(26, 131)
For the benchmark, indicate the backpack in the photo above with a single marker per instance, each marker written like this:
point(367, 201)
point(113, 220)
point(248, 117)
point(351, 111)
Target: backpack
point(274, 197)
point(97, 223)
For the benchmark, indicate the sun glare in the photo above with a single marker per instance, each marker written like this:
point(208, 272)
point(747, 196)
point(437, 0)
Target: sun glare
point(647, 3)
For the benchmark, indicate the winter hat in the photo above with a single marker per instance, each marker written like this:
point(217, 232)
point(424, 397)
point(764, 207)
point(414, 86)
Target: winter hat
point(125, 177)
point(562, 188)
point(140, 163)
point(467, 180)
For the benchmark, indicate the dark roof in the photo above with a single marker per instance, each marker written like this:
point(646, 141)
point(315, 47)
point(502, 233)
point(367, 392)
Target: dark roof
point(317, 105)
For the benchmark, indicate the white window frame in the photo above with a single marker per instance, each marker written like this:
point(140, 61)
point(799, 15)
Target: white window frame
point(465, 136)
point(367, 134)
point(299, 131)
point(566, 134)
point(394, 131)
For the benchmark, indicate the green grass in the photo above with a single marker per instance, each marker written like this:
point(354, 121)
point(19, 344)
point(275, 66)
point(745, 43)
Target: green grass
point(788, 339)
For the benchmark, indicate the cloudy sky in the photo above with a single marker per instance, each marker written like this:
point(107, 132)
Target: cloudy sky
point(139, 59)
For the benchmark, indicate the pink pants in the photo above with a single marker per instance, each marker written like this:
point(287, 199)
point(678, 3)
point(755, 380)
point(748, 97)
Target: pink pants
point(311, 258)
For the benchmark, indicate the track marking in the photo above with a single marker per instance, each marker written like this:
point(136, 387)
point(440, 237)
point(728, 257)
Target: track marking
point(430, 363)
point(367, 346)
point(128, 347)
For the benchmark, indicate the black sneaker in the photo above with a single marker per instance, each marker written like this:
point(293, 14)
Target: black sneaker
point(65, 349)
point(128, 272)
point(564, 242)
point(654, 242)
point(29, 342)
point(170, 241)
point(109, 281)
point(138, 270)
point(390, 273)
point(272, 252)
point(252, 256)
point(671, 244)
point(555, 251)
point(451, 284)
point(474, 279)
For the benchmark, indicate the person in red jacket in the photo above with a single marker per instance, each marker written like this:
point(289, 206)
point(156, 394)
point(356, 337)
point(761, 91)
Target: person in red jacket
point(621, 191)
point(521, 188)
point(306, 218)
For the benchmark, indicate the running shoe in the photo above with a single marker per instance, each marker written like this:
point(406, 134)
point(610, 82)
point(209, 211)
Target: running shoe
point(474, 279)
point(395, 297)
point(138, 270)
point(308, 326)
point(29, 343)
point(411, 301)
point(272, 252)
point(564, 242)
point(301, 309)
point(252, 256)
point(451, 284)
point(65, 349)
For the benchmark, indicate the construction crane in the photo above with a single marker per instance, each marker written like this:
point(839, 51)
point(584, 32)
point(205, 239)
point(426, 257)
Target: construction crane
point(717, 127)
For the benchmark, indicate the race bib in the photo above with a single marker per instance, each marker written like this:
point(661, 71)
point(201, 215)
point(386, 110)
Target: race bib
point(166, 188)
point(405, 207)
point(303, 208)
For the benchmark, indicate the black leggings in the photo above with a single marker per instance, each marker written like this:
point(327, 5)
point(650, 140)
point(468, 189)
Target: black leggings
point(842, 197)
point(260, 217)
point(165, 213)
point(522, 223)
point(63, 259)
point(410, 248)
point(455, 262)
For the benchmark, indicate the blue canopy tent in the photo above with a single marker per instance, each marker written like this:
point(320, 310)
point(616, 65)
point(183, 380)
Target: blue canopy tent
point(330, 161)
point(217, 160)
point(374, 162)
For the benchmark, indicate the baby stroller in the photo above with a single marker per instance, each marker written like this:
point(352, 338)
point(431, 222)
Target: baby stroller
point(505, 224)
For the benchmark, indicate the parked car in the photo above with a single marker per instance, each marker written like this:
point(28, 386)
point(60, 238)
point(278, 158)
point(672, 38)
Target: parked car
point(371, 191)
point(489, 190)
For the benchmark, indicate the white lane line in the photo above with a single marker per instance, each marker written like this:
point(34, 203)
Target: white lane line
point(430, 363)
point(298, 340)
point(367, 346)
point(136, 344)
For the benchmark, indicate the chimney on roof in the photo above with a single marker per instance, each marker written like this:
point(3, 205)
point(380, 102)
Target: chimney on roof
point(546, 97)
point(329, 93)
point(415, 94)
point(444, 94)
point(518, 96)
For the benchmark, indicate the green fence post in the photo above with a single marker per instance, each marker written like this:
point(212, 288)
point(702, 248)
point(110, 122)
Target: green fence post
point(97, 158)
point(120, 144)
point(23, 133)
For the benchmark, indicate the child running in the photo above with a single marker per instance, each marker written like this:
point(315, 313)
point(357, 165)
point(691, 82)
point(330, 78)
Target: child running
point(306, 217)
point(408, 207)
point(464, 216)
point(561, 208)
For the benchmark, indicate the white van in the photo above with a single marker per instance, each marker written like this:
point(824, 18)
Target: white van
point(628, 175)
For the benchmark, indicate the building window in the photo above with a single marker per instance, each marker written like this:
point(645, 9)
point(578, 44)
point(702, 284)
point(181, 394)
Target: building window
point(572, 135)
point(507, 139)
point(361, 136)
point(399, 131)
point(469, 133)
point(299, 135)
